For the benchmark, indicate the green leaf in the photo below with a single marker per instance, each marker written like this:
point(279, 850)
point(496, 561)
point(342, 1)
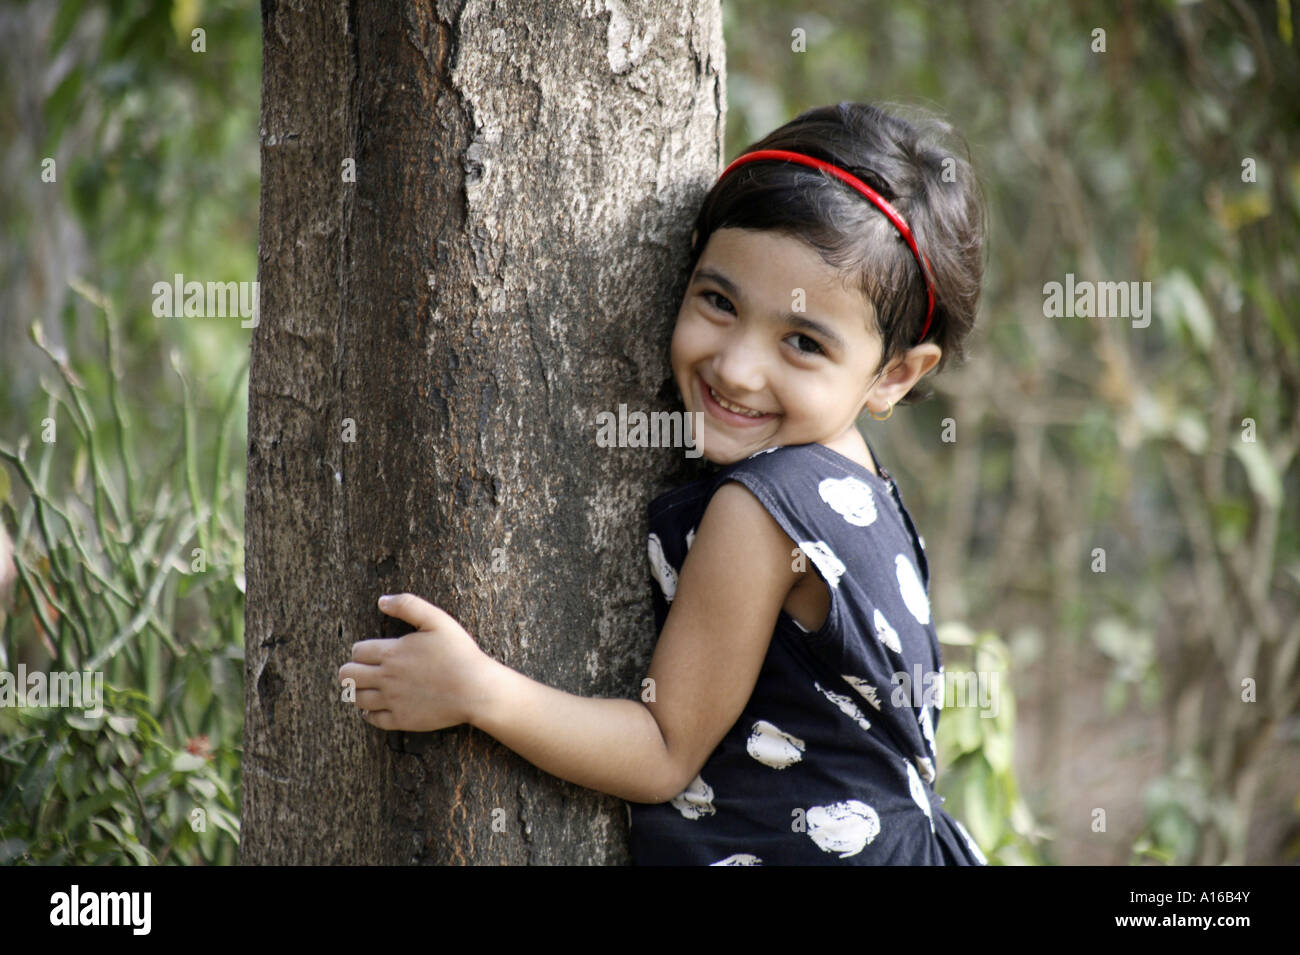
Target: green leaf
point(24, 781)
point(226, 821)
point(123, 724)
point(187, 763)
point(1022, 820)
point(1005, 721)
point(60, 105)
point(997, 750)
point(128, 842)
point(205, 788)
point(91, 805)
point(962, 727)
point(192, 457)
point(1179, 301)
point(139, 853)
point(35, 792)
point(1260, 472)
point(954, 633)
point(126, 753)
point(976, 795)
point(105, 850)
point(185, 16)
point(1189, 429)
point(77, 721)
point(65, 20)
point(1279, 318)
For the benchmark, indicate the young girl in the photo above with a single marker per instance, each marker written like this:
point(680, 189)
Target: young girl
point(835, 262)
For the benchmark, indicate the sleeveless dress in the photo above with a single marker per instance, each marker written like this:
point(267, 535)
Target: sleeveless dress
point(832, 761)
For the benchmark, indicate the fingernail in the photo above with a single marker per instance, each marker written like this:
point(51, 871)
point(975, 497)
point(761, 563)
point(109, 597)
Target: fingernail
point(385, 600)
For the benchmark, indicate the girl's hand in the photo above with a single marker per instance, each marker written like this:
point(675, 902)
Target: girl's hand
point(421, 681)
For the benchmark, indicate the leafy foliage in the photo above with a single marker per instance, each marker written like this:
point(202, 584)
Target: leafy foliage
point(120, 577)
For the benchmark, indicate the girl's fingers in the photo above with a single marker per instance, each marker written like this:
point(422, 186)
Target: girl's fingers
point(417, 612)
point(369, 700)
point(371, 651)
point(361, 674)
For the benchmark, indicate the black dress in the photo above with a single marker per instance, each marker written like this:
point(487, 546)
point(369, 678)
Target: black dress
point(832, 760)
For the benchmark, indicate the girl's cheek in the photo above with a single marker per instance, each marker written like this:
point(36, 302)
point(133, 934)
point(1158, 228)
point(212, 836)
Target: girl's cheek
point(690, 332)
point(680, 340)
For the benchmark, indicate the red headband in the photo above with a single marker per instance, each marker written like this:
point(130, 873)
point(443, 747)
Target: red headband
point(848, 178)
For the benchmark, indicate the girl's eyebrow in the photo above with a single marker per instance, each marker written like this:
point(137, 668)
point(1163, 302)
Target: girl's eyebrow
point(789, 318)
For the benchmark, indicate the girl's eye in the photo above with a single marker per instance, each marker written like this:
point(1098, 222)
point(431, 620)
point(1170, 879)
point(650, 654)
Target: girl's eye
point(816, 348)
point(713, 298)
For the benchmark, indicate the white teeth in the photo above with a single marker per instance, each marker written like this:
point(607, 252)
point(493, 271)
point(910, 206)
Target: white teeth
point(736, 408)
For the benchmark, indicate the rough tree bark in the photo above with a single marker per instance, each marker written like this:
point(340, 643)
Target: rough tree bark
point(435, 341)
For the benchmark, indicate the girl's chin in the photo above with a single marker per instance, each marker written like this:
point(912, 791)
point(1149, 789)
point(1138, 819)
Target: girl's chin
point(724, 456)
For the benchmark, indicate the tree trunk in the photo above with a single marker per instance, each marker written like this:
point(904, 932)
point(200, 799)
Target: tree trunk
point(435, 341)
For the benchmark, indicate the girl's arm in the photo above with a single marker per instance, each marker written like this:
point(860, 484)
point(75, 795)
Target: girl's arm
point(614, 746)
point(733, 583)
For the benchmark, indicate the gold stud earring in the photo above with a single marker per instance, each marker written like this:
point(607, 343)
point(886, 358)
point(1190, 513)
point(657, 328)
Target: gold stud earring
point(890, 405)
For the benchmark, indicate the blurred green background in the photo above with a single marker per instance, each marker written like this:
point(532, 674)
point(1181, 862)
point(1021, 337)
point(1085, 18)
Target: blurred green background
point(1113, 530)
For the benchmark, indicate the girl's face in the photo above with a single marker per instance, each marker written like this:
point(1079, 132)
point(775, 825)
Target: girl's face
point(768, 326)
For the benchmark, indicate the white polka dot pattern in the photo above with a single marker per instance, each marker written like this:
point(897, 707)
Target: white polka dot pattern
point(663, 570)
point(909, 585)
point(819, 553)
point(771, 747)
point(849, 498)
point(696, 800)
point(845, 827)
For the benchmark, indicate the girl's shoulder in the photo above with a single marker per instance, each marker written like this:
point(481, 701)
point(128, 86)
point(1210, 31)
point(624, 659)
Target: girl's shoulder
point(795, 460)
point(814, 493)
point(810, 472)
point(836, 504)
point(791, 477)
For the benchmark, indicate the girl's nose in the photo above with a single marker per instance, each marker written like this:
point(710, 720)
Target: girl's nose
point(738, 366)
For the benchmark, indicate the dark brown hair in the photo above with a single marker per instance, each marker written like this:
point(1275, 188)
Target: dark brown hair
point(933, 188)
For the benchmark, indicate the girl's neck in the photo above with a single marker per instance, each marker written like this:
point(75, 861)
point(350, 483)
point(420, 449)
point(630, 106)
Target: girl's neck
point(853, 446)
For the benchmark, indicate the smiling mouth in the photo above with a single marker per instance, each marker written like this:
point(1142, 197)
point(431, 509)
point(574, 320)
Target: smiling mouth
point(732, 406)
